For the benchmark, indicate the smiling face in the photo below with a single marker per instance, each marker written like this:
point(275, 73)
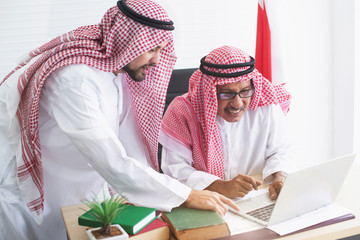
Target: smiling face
point(232, 110)
point(141, 65)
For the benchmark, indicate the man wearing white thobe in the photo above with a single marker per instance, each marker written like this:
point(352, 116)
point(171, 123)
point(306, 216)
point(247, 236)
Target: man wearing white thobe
point(226, 128)
point(84, 115)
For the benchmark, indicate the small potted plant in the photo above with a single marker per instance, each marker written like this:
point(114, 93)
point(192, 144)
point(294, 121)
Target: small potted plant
point(105, 213)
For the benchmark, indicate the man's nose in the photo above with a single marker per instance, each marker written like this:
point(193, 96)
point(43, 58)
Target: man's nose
point(155, 58)
point(237, 102)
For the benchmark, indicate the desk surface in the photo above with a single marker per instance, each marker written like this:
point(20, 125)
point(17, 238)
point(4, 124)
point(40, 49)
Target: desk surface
point(70, 215)
point(349, 197)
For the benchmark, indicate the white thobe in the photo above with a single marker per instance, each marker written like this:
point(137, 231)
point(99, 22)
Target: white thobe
point(257, 144)
point(89, 135)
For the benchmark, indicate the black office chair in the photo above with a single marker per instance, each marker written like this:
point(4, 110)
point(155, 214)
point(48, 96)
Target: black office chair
point(179, 84)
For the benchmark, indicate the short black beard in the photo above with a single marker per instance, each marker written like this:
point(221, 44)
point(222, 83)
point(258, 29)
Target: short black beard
point(132, 74)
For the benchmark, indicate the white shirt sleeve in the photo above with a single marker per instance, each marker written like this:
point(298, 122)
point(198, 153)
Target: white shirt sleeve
point(180, 168)
point(279, 148)
point(262, 148)
point(76, 109)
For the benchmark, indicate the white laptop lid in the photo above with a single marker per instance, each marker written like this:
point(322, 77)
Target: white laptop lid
point(311, 188)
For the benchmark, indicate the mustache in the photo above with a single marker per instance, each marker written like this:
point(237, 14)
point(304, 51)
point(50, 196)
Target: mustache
point(243, 108)
point(148, 65)
point(127, 69)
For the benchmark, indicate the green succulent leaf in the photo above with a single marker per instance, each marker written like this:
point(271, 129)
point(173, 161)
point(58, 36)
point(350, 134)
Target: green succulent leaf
point(106, 212)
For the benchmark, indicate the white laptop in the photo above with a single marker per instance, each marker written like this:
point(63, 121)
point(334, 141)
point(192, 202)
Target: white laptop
point(303, 191)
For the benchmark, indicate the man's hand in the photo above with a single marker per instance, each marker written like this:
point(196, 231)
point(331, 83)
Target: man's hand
point(239, 186)
point(277, 183)
point(207, 200)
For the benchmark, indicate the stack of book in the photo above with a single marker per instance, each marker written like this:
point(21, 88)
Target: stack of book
point(187, 223)
point(138, 222)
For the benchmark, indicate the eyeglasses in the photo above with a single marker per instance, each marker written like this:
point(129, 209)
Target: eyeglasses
point(231, 95)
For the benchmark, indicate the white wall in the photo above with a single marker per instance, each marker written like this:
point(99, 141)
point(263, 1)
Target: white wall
point(357, 80)
point(201, 26)
point(25, 25)
point(319, 57)
point(309, 77)
point(343, 76)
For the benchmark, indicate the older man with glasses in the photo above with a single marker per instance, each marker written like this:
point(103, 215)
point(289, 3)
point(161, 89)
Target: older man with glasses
point(227, 128)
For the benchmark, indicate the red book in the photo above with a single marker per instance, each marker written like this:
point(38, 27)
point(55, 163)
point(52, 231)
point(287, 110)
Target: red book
point(157, 229)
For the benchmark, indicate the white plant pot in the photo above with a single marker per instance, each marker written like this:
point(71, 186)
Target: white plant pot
point(123, 236)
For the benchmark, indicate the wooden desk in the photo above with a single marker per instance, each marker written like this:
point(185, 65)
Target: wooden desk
point(349, 197)
point(70, 215)
point(76, 232)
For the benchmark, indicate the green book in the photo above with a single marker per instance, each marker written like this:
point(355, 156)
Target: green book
point(132, 218)
point(188, 223)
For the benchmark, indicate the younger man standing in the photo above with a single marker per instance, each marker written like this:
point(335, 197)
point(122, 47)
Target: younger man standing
point(86, 112)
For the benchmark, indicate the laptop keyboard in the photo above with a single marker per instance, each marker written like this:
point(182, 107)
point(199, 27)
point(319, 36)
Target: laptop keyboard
point(263, 213)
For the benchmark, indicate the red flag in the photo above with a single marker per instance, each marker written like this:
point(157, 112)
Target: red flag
point(263, 42)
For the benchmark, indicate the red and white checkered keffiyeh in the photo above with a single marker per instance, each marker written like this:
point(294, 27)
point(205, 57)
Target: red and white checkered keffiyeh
point(108, 46)
point(191, 118)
